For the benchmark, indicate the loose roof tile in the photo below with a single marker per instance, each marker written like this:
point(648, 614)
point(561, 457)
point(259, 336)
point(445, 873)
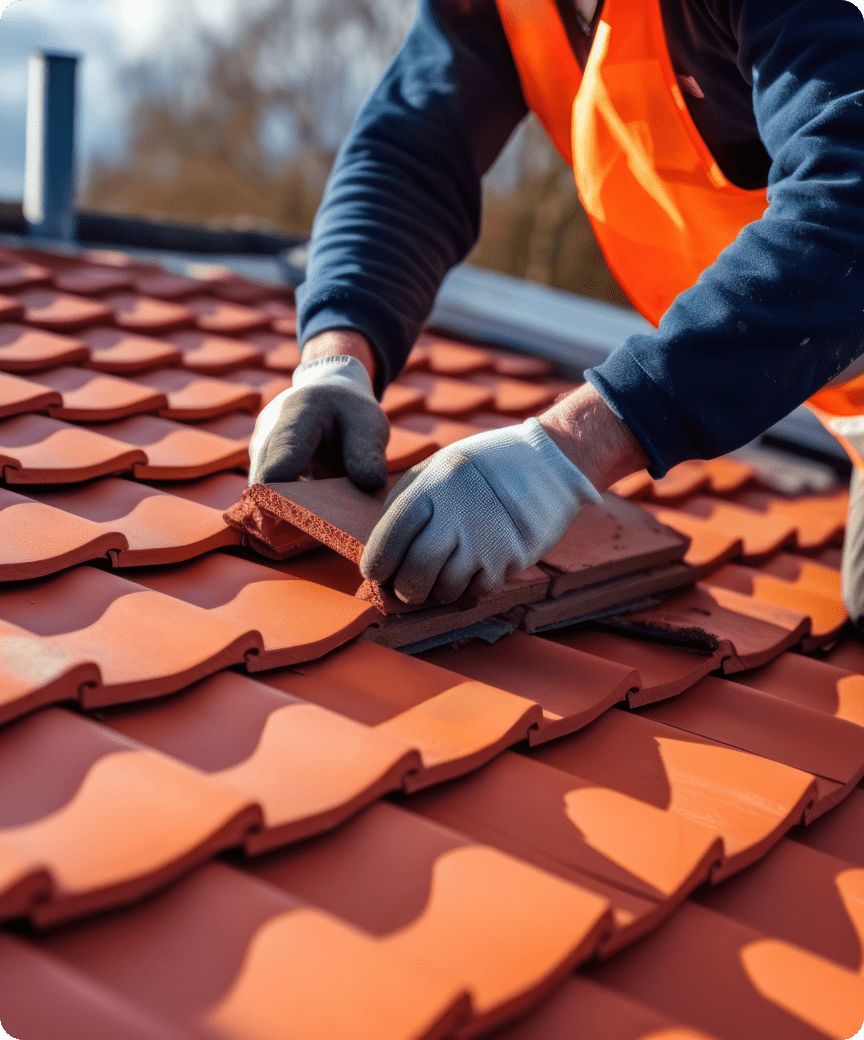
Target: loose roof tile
point(172, 450)
point(307, 768)
point(19, 396)
point(189, 396)
point(225, 953)
point(88, 396)
point(95, 812)
point(747, 634)
point(722, 787)
point(225, 319)
point(571, 686)
point(501, 928)
point(213, 355)
point(663, 671)
point(298, 620)
point(37, 449)
point(147, 315)
point(147, 526)
point(58, 311)
point(115, 623)
point(28, 350)
point(118, 351)
point(456, 725)
point(582, 832)
point(38, 539)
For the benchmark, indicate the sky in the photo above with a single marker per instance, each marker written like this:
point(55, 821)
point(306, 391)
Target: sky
point(108, 35)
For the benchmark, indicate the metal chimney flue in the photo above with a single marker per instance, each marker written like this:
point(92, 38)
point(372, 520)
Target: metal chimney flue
point(49, 168)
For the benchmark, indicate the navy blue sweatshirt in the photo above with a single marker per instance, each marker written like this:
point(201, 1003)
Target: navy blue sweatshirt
point(779, 313)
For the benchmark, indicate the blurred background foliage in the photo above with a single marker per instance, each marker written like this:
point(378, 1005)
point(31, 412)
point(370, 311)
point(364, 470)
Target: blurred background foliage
point(242, 129)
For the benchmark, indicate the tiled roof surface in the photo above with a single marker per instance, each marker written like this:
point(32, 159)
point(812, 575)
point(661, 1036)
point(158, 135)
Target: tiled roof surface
point(231, 806)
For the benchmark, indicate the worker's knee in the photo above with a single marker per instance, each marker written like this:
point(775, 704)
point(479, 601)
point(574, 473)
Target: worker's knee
point(853, 553)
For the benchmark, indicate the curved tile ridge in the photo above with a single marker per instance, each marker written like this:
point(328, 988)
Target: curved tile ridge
point(144, 643)
point(751, 801)
point(455, 725)
point(111, 825)
point(38, 539)
point(298, 620)
point(307, 768)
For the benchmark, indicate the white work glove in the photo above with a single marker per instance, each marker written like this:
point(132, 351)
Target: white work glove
point(475, 514)
point(329, 405)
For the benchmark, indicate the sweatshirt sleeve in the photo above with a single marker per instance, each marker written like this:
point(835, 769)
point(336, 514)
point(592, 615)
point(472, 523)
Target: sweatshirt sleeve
point(402, 205)
point(781, 311)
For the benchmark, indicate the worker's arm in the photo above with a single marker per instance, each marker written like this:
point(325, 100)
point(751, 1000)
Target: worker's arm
point(781, 312)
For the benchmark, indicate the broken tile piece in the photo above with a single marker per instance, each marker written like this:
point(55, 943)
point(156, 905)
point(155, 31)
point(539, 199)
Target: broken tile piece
point(153, 527)
point(307, 768)
point(97, 616)
point(608, 540)
point(37, 539)
point(188, 396)
point(455, 724)
point(110, 819)
point(212, 355)
point(145, 314)
point(572, 687)
point(28, 350)
point(18, 396)
point(37, 449)
point(88, 396)
point(175, 451)
point(114, 350)
point(298, 620)
point(58, 311)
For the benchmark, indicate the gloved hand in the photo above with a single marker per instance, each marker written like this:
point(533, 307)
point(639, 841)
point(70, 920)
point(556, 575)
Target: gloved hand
point(475, 514)
point(330, 403)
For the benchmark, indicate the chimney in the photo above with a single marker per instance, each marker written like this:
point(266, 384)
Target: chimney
point(49, 171)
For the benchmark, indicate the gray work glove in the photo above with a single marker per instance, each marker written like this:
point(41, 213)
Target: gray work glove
point(330, 405)
point(475, 514)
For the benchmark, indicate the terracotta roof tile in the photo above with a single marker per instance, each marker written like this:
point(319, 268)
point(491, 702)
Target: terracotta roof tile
point(59, 312)
point(256, 950)
point(281, 353)
point(818, 519)
point(470, 914)
point(96, 616)
point(515, 396)
point(23, 276)
point(114, 350)
point(397, 399)
point(406, 448)
point(445, 396)
point(174, 451)
point(264, 383)
point(283, 316)
point(89, 396)
point(91, 280)
point(188, 396)
point(214, 355)
point(519, 366)
point(275, 749)
point(93, 811)
point(40, 450)
point(218, 491)
point(145, 314)
point(28, 350)
point(298, 620)
point(442, 431)
point(448, 358)
point(216, 316)
point(456, 725)
point(710, 543)
point(761, 535)
point(165, 285)
point(18, 396)
point(813, 683)
point(839, 833)
point(151, 527)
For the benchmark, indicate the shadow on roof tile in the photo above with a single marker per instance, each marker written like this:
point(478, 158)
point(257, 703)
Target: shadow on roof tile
point(60, 312)
point(113, 350)
point(145, 314)
point(89, 396)
point(28, 350)
point(189, 396)
point(19, 396)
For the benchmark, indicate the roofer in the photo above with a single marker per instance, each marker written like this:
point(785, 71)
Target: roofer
point(680, 114)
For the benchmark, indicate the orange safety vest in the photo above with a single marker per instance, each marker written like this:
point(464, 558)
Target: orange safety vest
point(660, 206)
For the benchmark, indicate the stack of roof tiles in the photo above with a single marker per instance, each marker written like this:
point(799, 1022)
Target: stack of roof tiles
point(230, 807)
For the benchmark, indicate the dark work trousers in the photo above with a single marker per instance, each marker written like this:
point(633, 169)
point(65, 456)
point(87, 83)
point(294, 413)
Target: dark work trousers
point(853, 552)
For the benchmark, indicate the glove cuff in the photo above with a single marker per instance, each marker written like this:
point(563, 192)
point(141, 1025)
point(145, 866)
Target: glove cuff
point(569, 474)
point(336, 370)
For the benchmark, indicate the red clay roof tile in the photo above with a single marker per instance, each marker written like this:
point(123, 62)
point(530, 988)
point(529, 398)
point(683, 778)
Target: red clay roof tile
point(445, 396)
point(189, 396)
point(60, 312)
point(445, 357)
point(682, 480)
point(23, 276)
point(519, 366)
point(157, 528)
point(514, 396)
point(145, 314)
point(406, 448)
point(281, 352)
point(219, 491)
point(174, 451)
point(165, 285)
point(89, 396)
point(90, 280)
point(214, 355)
point(397, 399)
point(710, 543)
point(761, 535)
point(442, 431)
point(18, 396)
point(276, 750)
point(28, 350)
point(114, 350)
point(101, 617)
point(818, 519)
point(227, 319)
point(266, 384)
